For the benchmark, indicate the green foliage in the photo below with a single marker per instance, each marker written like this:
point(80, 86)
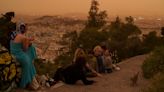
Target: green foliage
point(91, 37)
point(64, 60)
point(154, 63)
point(6, 26)
point(44, 68)
point(150, 41)
point(96, 18)
point(73, 41)
point(124, 37)
point(129, 20)
point(157, 84)
point(121, 31)
point(134, 47)
point(162, 31)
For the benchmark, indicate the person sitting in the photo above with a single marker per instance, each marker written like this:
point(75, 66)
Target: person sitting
point(107, 61)
point(80, 53)
point(98, 53)
point(21, 47)
point(73, 73)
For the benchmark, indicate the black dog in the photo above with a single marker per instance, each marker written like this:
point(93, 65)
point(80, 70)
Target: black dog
point(73, 73)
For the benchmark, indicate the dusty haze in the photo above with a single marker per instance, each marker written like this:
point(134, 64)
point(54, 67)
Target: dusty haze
point(113, 7)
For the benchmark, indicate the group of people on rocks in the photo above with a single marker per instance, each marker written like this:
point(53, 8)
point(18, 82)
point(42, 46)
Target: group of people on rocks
point(91, 64)
point(84, 64)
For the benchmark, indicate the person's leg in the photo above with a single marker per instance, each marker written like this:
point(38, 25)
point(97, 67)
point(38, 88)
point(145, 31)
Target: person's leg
point(28, 70)
point(101, 68)
point(70, 80)
point(83, 78)
point(25, 73)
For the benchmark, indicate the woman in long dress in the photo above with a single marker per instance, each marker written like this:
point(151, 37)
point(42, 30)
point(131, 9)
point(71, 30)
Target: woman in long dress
point(22, 48)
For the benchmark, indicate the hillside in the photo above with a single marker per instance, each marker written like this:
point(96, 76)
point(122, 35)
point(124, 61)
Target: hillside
point(118, 81)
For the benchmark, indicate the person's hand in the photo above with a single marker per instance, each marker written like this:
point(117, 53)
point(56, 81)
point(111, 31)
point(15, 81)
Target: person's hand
point(30, 40)
point(99, 75)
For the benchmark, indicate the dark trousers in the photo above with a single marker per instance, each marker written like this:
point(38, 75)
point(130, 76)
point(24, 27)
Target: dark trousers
point(101, 68)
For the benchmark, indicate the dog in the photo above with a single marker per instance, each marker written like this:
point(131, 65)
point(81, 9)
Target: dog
point(134, 79)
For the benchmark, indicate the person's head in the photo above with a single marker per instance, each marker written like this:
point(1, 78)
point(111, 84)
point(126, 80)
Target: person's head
point(104, 48)
point(97, 50)
point(22, 28)
point(80, 53)
point(106, 53)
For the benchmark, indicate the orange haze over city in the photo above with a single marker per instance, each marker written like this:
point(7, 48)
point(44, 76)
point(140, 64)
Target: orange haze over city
point(113, 7)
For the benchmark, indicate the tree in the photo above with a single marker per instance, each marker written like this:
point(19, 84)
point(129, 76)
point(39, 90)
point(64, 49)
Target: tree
point(116, 32)
point(162, 31)
point(129, 20)
point(96, 18)
point(6, 26)
point(102, 18)
point(70, 39)
point(130, 28)
point(124, 37)
point(150, 41)
point(91, 37)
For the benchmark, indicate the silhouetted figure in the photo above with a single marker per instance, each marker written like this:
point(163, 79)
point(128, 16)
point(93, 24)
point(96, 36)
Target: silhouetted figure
point(6, 27)
point(73, 73)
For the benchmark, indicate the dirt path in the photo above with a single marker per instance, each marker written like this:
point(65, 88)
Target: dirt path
point(118, 81)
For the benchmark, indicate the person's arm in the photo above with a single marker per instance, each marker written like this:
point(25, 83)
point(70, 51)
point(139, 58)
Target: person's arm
point(92, 70)
point(31, 39)
point(26, 43)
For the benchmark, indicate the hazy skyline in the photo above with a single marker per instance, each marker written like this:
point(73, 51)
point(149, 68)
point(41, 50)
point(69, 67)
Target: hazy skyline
point(113, 7)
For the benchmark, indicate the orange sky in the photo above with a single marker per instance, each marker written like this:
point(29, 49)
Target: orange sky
point(113, 7)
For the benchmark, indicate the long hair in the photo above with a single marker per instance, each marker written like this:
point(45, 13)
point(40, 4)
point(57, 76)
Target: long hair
point(79, 53)
point(80, 62)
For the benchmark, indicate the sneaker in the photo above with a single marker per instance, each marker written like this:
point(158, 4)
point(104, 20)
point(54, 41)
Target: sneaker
point(109, 70)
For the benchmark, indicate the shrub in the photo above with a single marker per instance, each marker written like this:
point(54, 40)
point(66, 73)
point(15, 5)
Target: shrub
point(154, 63)
point(44, 68)
point(64, 60)
point(6, 26)
point(124, 37)
point(91, 37)
point(150, 41)
point(157, 84)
